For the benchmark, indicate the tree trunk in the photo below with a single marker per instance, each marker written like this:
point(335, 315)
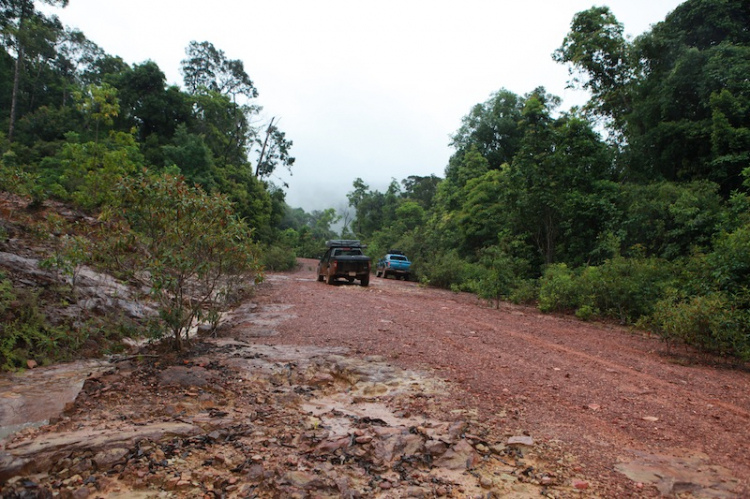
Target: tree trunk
point(263, 149)
point(14, 98)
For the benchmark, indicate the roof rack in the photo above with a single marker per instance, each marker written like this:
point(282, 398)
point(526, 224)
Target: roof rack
point(349, 243)
point(394, 252)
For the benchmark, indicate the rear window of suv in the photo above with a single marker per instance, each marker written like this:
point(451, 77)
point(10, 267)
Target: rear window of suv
point(348, 252)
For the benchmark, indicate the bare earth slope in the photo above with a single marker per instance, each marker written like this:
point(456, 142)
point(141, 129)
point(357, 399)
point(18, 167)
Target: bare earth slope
point(391, 391)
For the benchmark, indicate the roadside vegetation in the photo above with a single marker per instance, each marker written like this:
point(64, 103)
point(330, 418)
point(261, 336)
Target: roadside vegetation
point(634, 208)
point(645, 224)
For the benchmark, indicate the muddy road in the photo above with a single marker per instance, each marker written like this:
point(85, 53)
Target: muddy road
point(616, 399)
point(388, 391)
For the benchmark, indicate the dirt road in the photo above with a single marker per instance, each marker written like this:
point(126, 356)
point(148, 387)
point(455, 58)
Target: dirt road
point(388, 391)
point(612, 397)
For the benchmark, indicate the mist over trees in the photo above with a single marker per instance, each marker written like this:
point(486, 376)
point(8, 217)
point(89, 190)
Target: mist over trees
point(646, 223)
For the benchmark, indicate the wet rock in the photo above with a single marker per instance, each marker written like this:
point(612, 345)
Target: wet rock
point(364, 439)
point(41, 453)
point(435, 447)
point(521, 440)
point(459, 457)
point(302, 480)
point(79, 493)
point(693, 474)
point(418, 492)
point(321, 379)
point(82, 466)
point(498, 449)
point(456, 430)
point(185, 376)
point(331, 446)
point(254, 472)
point(409, 445)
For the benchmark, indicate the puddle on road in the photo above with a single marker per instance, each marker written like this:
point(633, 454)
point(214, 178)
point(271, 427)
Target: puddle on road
point(673, 475)
point(32, 397)
point(253, 323)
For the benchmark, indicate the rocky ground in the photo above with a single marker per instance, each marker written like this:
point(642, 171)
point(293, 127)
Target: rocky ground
point(394, 390)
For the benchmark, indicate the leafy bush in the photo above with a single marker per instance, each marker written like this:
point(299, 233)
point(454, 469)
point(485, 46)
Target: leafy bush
point(85, 173)
point(498, 271)
point(585, 312)
point(188, 245)
point(622, 288)
point(445, 270)
point(625, 288)
point(710, 323)
point(26, 334)
point(524, 291)
point(278, 258)
point(559, 290)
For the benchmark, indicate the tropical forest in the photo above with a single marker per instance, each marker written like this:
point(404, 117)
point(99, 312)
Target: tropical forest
point(633, 208)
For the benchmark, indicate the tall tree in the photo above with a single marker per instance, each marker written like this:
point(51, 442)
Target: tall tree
point(689, 120)
point(599, 61)
point(273, 150)
point(420, 189)
point(210, 76)
point(28, 33)
point(208, 67)
point(677, 96)
point(492, 129)
point(153, 109)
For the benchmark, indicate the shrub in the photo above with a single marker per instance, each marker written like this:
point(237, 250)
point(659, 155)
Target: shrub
point(26, 334)
point(190, 248)
point(625, 288)
point(710, 323)
point(622, 288)
point(446, 270)
point(524, 291)
point(278, 258)
point(586, 312)
point(558, 289)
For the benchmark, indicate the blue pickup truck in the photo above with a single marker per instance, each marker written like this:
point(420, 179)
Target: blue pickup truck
point(394, 263)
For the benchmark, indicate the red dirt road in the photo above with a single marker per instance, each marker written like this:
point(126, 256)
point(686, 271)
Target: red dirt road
point(613, 398)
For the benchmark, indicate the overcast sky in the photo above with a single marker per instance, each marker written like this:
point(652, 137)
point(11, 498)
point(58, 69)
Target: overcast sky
point(363, 89)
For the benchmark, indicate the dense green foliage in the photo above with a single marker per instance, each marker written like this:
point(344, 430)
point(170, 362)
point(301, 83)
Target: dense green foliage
point(83, 126)
point(649, 226)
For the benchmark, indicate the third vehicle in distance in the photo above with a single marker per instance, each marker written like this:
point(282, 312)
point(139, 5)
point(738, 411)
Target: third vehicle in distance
point(394, 263)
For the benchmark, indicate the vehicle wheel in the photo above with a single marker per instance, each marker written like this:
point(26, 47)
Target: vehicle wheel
point(365, 281)
point(377, 273)
point(385, 275)
point(321, 278)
